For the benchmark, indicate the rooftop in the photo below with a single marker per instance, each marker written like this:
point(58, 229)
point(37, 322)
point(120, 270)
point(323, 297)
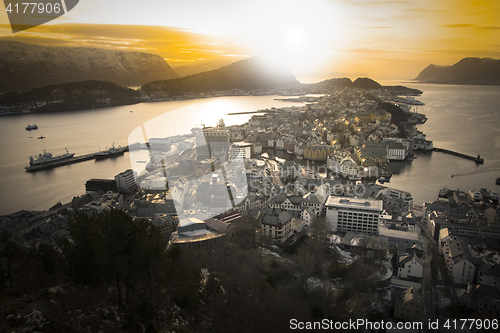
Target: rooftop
point(360, 203)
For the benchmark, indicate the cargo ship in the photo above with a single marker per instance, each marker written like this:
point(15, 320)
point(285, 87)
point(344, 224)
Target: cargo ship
point(48, 158)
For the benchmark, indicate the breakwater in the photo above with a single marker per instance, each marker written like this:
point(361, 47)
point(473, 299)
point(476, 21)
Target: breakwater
point(477, 159)
point(67, 161)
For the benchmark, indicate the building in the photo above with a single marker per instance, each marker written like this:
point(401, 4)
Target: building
point(461, 227)
point(367, 116)
point(462, 265)
point(96, 185)
point(308, 215)
point(409, 306)
point(158, 145)
point(317, 152)
point(213, 192)
point(167, 225)
point(342, 164)
point(353, 214)
point(241, 150)
point(410, 266)
point(396, 151)
point(405, 198)
point(489, 274)
point(125, 181)
point(212, 142)
point(314, 201)
point(289, 169)
point(484, 300)
point(372, 153)
point(279, 227)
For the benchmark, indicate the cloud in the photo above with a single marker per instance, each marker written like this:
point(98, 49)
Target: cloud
point(470, 26)
point(175, 44)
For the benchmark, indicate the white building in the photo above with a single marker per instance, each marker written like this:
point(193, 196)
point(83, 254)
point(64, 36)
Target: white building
point(160, 144)
point(396, 151)
point(353, 214)
point(241, 150)
point(404, 196)
point(125, 181)
point(278, 227)
point(462, 265)
point(410, 266)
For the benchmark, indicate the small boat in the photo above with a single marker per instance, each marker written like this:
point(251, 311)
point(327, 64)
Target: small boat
point(31, 127)
point(41, 137)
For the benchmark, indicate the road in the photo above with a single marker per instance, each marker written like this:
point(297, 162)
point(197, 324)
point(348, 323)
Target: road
point(427, 285)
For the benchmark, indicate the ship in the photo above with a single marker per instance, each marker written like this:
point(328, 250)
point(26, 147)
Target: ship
point(48, 158)
point(31, 127)
point(111, 152)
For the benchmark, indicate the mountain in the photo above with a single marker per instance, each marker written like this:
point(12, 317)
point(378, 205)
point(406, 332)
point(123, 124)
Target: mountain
point(249, 74)
point(69, 96)
point(27, 66)
point(466, 71)
point(366, 83)
point(200, 66)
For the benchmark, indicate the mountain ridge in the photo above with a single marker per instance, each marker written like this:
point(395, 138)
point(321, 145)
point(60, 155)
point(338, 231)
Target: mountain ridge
point(26, 66)
point(248, 74)
point(471, 70)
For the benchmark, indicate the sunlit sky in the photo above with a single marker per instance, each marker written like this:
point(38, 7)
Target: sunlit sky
point(318, 39)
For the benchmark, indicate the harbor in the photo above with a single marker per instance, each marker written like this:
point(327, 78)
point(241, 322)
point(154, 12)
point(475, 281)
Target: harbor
point(75, 159)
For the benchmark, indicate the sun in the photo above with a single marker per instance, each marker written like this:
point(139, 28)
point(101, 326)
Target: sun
point(295, 38)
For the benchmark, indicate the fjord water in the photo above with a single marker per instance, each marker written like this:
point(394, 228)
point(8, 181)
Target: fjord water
point(461, 118)
point(88, 131)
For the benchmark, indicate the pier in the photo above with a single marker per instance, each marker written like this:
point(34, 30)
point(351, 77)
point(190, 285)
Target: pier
point(477, 159)
point(67, 161)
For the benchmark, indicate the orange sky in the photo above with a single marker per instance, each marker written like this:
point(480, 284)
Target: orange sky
point(318, 39)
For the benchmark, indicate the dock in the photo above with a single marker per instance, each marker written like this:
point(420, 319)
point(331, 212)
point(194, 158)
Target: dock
point(67, 161)
point(477, 159)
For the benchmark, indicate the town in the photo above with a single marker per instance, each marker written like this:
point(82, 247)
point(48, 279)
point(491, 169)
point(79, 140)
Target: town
point(318, 175)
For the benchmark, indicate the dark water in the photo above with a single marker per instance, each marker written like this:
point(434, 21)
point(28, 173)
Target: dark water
point(461, 118)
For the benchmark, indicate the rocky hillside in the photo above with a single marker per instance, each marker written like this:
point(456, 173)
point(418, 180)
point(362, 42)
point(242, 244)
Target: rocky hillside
point(27, 66)
point(466, 71)
point(249, 74)
point(69, 96)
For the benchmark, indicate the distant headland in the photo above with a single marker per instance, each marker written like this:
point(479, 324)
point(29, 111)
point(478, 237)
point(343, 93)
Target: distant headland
point(467, 71)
